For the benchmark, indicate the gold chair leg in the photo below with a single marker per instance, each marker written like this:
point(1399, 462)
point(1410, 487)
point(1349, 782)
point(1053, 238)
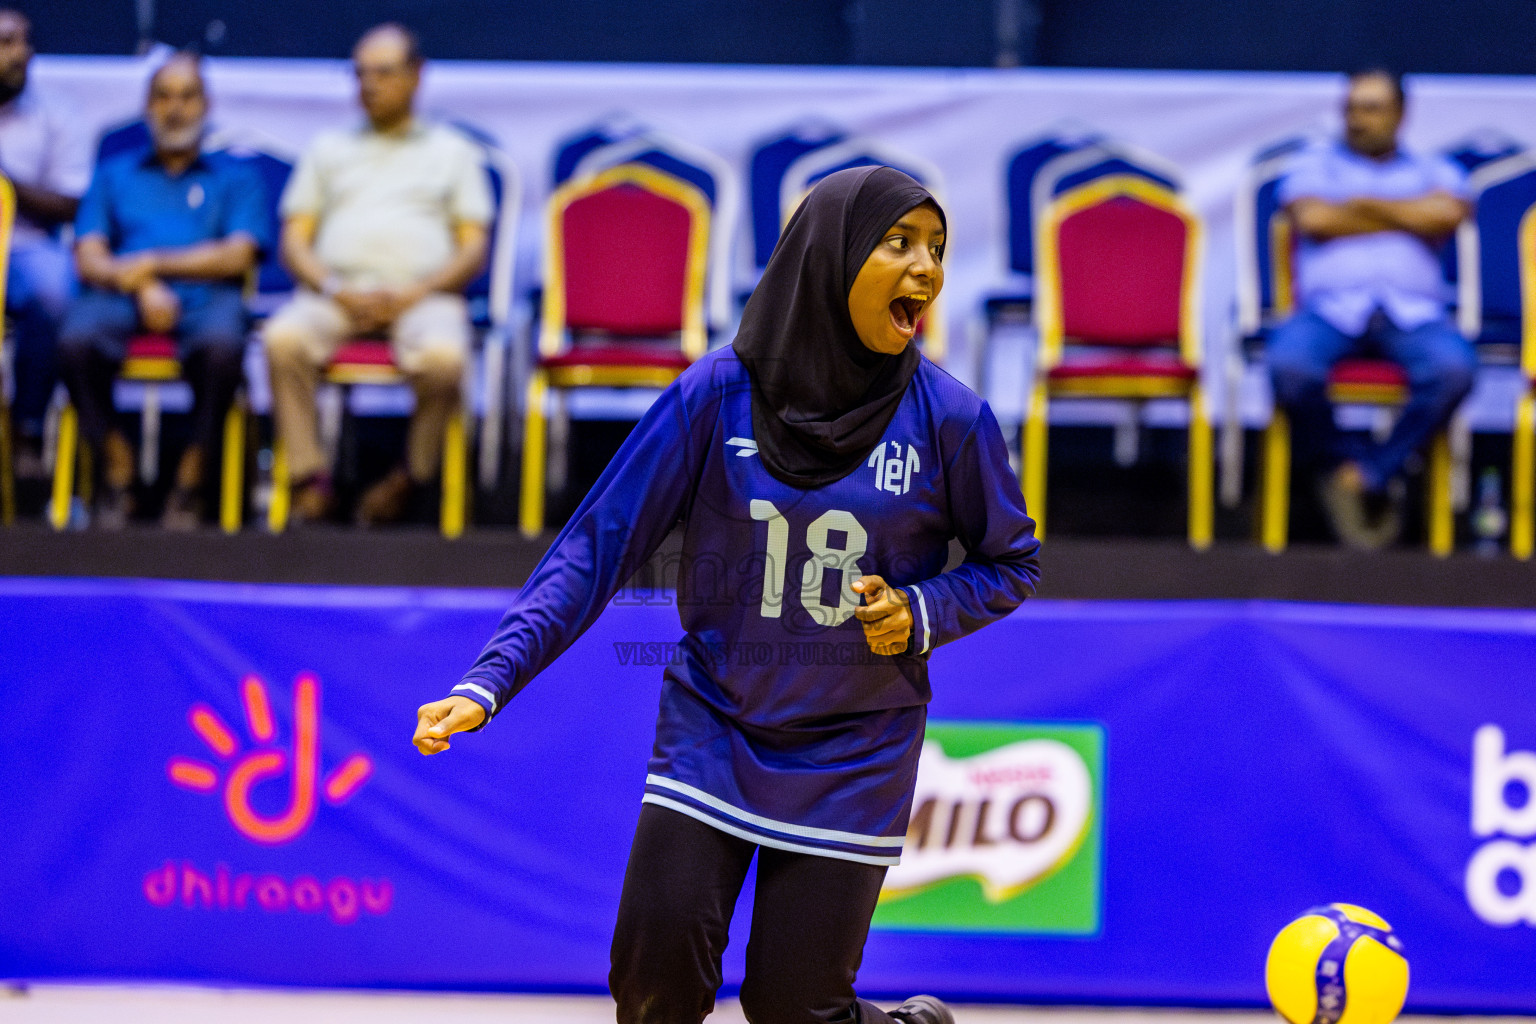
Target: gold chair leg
point(1275, 500)
point(455, 472)
point(282, 491)
point(1202, 473)
point(1522, 486)
point(531, 500)
point(1440, 515)
point(64, 468)
point(232, 475)
point(1035, 456)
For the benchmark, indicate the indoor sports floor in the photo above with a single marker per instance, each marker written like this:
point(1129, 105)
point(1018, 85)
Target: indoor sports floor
point(67, 1004)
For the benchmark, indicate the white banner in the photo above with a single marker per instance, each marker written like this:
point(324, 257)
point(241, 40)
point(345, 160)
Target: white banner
point(965, 122)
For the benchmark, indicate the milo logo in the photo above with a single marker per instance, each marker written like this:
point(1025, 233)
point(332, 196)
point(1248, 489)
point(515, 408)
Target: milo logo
point(1004, 834)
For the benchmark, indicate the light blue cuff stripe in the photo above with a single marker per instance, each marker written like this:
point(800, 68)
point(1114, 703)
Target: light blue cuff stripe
point(922, 608)
point(482, 691)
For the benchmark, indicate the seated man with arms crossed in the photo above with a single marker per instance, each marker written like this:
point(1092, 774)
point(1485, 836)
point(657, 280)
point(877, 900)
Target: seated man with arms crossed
point(384, 225)
point(1371, 216)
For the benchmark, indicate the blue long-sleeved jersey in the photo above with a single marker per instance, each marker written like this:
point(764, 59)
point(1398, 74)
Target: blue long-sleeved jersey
point(777, 722)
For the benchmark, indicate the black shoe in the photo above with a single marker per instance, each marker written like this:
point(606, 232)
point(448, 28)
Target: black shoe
point(1345, 508)
point(1383, 512)
point(113, 509)
point(27, 461)
point(387, 501)
point(183, 510)
point(923, 1010)
point(1361, 519)
point(312, 501)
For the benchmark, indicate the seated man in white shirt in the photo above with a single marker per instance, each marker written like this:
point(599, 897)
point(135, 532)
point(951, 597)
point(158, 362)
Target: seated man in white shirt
point(384, 225)
point(47, 157)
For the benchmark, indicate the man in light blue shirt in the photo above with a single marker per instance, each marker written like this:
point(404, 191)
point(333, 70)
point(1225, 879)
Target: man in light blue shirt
point(1371, 217)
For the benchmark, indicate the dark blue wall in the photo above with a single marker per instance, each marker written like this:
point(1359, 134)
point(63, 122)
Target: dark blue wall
point(1449, 36)
point(1476, 36)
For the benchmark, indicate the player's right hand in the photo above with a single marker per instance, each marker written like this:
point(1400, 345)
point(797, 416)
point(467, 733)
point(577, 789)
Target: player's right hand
point(436, 721)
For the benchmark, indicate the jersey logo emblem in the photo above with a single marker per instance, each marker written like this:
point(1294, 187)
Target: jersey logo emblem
point(745, 446)
point(894, 474)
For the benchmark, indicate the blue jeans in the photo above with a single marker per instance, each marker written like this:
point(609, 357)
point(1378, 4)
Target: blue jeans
point(38, 287)
point(1439, 362)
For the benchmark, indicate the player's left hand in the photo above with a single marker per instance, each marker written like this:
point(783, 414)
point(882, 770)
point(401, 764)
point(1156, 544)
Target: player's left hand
point(885, 614)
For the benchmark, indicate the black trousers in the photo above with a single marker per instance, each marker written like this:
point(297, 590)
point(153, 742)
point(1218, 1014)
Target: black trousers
point(214, 373)
point(210, 341)
point(810, 917)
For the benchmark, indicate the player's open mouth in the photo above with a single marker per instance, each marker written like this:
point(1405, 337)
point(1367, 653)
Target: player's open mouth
point(905, 311)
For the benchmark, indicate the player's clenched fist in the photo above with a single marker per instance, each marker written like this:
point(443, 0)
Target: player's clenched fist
point(885, 614)
point(436, 721)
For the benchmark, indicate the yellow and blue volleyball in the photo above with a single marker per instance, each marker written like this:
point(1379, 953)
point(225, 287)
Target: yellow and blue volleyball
point(1337, 964)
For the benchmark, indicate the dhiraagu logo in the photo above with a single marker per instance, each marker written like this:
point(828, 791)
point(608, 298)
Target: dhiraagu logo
point(266, 761)
point(284, 814)
point(1006, 832)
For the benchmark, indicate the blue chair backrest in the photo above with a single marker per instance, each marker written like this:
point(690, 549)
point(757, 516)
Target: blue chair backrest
point(1482, 148)
point(125, 138)
point(1266, 203)
point(1469, 154)
point(479, 291)
point(1257, 205)
point(769, 162)
point(476, 133)
point(1022, 169)
point(1112, 165)
point(1286, 147)
point(271, 278)
point(678, 167)
point(1500, 208)
point(572, 149)
point(866, 160)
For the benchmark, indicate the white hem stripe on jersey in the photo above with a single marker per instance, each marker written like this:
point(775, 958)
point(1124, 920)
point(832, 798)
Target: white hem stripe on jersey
point(762, 840)
point(748, 818)
point(482, 691)
point(922, 607)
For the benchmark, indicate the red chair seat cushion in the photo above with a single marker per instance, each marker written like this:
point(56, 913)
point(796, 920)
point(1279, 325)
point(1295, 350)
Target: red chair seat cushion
point(1368, 371)
point(363, 352)
point(151, 346)
point(618, 355)
point(1125, 367)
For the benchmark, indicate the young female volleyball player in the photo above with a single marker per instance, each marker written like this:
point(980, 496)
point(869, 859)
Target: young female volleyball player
point(818, 461)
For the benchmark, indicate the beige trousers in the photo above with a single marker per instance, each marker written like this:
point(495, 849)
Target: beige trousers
point(429, 343)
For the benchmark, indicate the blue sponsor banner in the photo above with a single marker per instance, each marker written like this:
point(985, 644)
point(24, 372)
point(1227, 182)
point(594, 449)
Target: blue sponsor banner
point(214, 783)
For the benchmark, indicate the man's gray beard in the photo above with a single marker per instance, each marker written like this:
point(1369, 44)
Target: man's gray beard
point(177, 140)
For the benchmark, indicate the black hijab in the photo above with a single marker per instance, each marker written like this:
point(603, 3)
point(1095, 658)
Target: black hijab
point(820, 398)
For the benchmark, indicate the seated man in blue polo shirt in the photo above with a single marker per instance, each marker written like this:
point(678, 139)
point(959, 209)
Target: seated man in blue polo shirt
point(164, 240)
point(1370, 216)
